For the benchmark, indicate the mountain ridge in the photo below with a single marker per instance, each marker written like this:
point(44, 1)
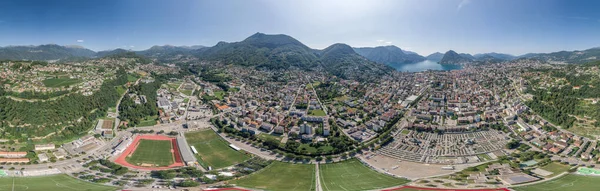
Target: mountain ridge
point(389, 55)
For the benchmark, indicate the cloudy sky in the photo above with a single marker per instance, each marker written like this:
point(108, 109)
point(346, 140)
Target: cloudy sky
point(423, 26)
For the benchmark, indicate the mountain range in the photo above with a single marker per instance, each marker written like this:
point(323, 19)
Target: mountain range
point(43, 52)
point(282, 51)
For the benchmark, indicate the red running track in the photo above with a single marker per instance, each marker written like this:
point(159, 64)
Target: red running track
point(443, 189)
point(121, 159)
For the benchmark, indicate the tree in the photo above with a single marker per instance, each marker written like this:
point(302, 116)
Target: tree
point(512, 144)
point(188, 183)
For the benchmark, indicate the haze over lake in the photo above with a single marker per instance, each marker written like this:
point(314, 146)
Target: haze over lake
point(425, 65)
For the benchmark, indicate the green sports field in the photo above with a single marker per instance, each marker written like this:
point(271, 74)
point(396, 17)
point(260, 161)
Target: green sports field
point(281, 176)
point(156, 152)
point(556, 168)
point(213, 150)
point(570, 182)
point(60, 82)
point(50, 183)
point(353, 175)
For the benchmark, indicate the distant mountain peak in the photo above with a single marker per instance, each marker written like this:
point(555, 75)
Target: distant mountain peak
point(436, 56)
point(271, 40)
point(451, 57)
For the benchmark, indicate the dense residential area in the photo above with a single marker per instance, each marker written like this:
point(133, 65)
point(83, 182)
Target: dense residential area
point(311, 95)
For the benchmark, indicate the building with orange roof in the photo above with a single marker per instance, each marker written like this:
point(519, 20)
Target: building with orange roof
point(12, 154)
point(15, 160)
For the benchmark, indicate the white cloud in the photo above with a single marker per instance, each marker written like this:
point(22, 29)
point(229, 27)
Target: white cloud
point(462, 4)
point(380, 41)
point(131, 46)
point(79, 41)
point(388, 42)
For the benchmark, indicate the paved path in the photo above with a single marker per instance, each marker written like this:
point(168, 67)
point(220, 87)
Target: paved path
point(256, 151)
point(318, 180)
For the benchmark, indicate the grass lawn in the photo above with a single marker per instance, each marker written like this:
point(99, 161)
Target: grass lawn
point(51, 183)
point(156, 152)
point(148, 121)
point(405, 131)
point(174, 85)
point(186, 92)
point(233, 90)
point(317, 112)
point(131, 78)
point(266, 136)
point(60, 82)
point(213, 151)
point(219, 94)
point(568, 182)
point(556, 168)
point(484, 157)
point(281, 176)
point(353, 175)
point(121, 90)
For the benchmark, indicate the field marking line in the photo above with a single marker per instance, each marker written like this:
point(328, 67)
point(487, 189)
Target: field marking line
point(63, 186)
point(13, 184)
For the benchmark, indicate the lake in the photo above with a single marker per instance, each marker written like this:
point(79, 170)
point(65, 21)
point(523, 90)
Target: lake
point(424, 65)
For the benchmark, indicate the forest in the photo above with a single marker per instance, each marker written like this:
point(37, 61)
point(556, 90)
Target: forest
point(560, 104)
point(67, 116)
point(134, 113)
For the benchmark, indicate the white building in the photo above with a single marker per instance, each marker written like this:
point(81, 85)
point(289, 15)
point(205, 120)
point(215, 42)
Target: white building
point(43, 157)
point(44, 147)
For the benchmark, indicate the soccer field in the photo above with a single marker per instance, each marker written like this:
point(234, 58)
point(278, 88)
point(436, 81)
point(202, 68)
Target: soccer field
point(570, 182)
point(281, 176)
point(50, 183)
point(152, 152)
point(352, 175)
point(213, 150)
point(60, 82)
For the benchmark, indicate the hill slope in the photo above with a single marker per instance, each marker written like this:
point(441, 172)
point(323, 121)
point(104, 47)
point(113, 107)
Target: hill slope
point(573, 57)
point(341, 60)
point(388, 55)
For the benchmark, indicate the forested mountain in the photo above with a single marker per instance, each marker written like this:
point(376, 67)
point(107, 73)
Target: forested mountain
point(437, 56)
point(341, 60)
point(388, 55)
point(500, 56)
point(43, 52)
point(282, 51)
point(468, 56)
point(573, 57)
point(262, 50)
point(169, 50)
point(452, 57)
point(105, 53)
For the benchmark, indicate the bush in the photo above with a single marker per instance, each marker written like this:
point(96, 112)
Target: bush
point(188, 183)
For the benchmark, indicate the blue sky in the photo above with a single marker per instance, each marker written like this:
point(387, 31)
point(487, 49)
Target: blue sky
point(423, 26)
